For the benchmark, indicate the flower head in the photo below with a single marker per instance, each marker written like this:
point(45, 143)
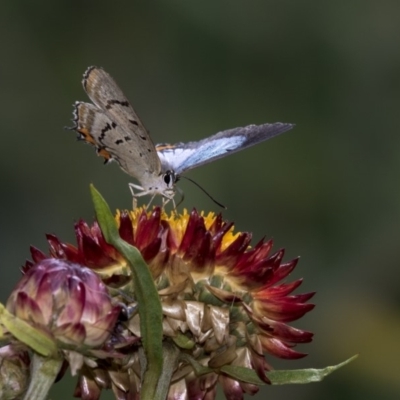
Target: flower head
point(223, 301)
point(67, 300)
point(69, 304)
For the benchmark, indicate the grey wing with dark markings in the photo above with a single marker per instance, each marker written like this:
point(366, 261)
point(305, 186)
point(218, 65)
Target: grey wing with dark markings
point(92, 124)
point(182, 157)
point(125, 138)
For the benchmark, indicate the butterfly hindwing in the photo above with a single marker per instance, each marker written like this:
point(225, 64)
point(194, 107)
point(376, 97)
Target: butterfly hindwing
point(125, 137)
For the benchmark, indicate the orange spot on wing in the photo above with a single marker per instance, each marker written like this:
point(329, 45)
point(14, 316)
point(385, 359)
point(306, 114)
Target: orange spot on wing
point(87, 136)
point(104, 153)
point(165, 146)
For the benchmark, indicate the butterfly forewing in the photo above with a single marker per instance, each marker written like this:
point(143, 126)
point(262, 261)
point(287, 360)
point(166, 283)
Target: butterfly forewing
point(182, 157)
point(122, 134)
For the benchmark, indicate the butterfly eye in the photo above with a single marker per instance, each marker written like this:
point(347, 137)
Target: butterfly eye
point(169, 178)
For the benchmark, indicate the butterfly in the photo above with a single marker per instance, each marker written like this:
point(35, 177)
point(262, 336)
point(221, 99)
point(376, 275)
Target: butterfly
point(112, 126)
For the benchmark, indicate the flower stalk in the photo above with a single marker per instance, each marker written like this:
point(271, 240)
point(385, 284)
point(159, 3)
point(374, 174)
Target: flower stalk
point(44, 371)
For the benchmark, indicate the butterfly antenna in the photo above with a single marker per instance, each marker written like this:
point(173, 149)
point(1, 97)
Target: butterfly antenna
point(180, 191)
point(205, 191)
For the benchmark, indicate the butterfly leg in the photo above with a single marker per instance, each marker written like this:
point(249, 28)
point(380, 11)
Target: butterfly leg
point(142, 192)
point(165, 201)
point(152, 198)
point(132, 186)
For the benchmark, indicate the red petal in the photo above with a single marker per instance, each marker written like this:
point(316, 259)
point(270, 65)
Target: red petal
point(147, 228)
point(278, 349)
point(218, 225)
point(196, 243)
point(281, 310)
point(257, 255)
point(219, 232)
point(70, 333)
point(278, 291)
point(263, 249)
point(202, 388)
point(249, 388)
point(198, 250)
point(37, 255)
point(231, 387)
point(72, 311)
point(62, 250)
point(27, 309)
point(191, 227)
point(56, 250)
point(93, 253)
point(258, 360)
point(256, 273)
point(28, 265)
point(87, 389)
point(234, 251)
point(285, 332)
point(300, 298)
point(283, 271)
point(126, 228)
point(151, 250)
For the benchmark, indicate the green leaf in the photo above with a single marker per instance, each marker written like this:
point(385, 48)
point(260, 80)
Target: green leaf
point(36, 339)
point(171, 358)
point(183, 341)
point(150, 311)
point(104, 216)
point(304, 375)
point(199, 369)
point(242, 374)
point(282, 377)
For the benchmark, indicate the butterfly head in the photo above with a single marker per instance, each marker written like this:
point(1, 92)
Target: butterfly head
point(161, 184)
point(169, 178)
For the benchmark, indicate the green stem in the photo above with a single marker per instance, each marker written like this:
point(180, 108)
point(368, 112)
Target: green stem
point(44, 371)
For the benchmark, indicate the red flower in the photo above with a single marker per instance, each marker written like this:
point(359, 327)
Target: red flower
point(219, 294)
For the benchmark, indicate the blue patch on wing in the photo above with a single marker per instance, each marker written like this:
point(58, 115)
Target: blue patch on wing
point(205, 152)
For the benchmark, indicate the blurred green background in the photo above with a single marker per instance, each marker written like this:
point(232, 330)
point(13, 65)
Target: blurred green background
point(326, 190)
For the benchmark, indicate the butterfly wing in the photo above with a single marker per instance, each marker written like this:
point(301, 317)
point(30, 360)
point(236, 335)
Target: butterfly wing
point(113, 127)
point(182, 157)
